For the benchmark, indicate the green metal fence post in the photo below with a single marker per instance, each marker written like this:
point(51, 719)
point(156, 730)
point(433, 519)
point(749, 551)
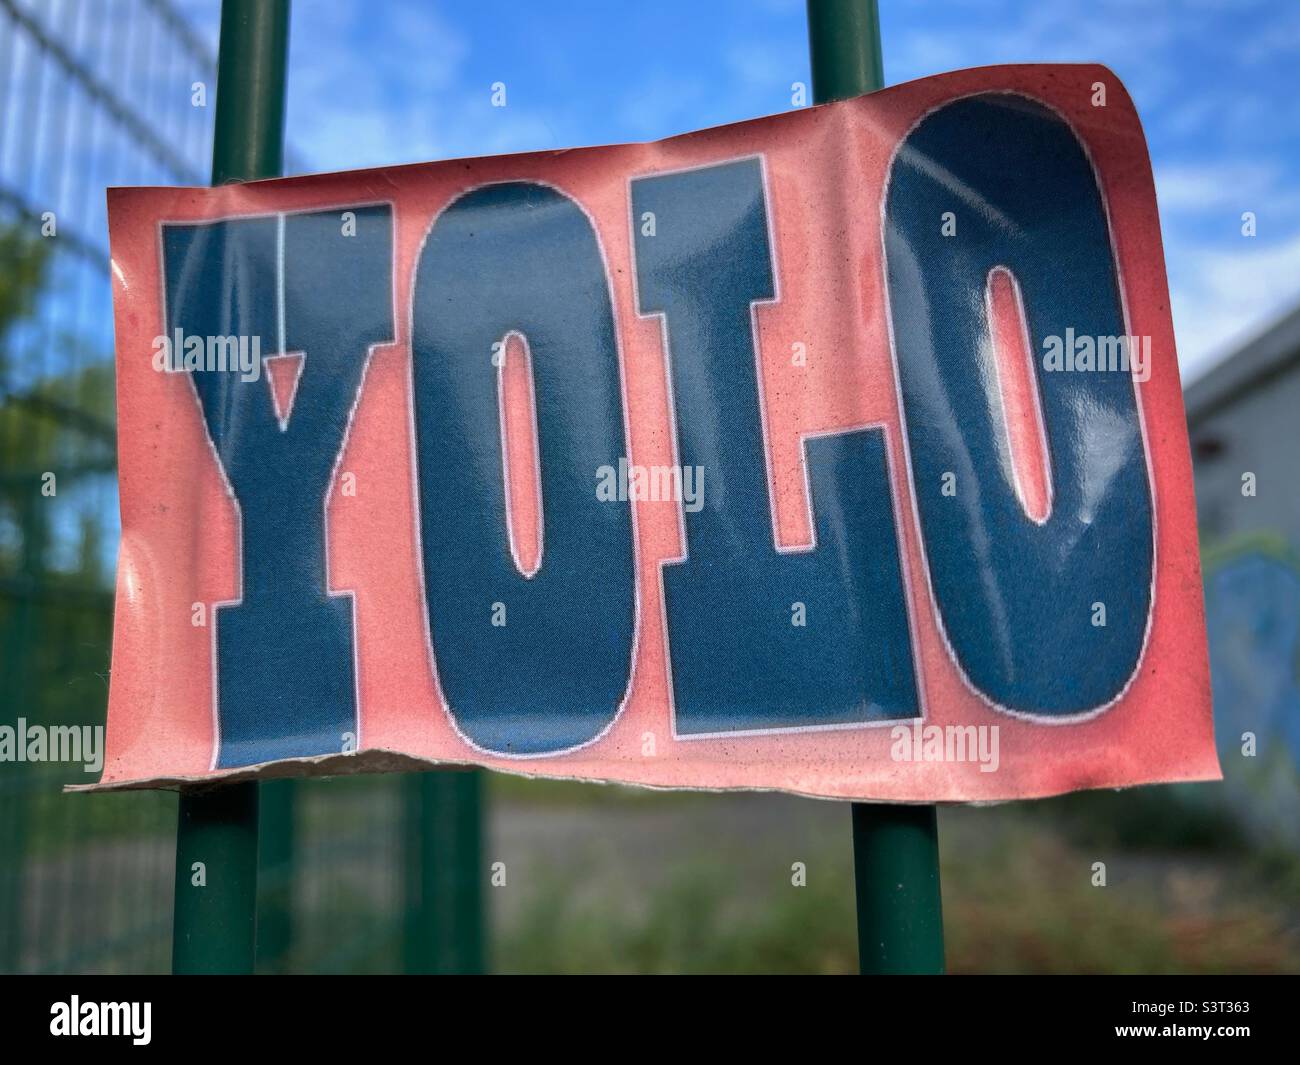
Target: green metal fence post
point(896, 875)
point(248, 139)
point(214, 927)
point(276, 856)
point(844, 43)
point(213, 930)
point(895, 848)
point(444, 929)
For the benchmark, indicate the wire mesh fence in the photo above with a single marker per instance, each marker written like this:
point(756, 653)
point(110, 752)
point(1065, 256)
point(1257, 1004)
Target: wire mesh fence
point(96, 93)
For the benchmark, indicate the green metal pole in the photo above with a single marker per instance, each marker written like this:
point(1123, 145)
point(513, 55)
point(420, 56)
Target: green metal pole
point(896, 876)
point(276, 864)
point(895, 848)
point(248, 141)
point(844, 43)
point(444, 930)
point(215, 919)
point(213, 930)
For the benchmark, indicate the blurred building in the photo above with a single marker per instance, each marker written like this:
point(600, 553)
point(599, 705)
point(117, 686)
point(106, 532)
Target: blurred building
point(1244, 418)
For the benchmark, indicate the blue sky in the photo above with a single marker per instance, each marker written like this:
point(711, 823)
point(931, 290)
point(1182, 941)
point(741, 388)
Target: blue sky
point(1215, 81)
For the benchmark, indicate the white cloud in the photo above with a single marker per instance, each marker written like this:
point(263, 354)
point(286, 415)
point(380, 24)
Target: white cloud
point(1238, 185)
point(1222, 298)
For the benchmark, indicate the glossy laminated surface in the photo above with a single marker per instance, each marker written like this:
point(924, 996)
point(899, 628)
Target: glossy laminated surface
point(840, 452)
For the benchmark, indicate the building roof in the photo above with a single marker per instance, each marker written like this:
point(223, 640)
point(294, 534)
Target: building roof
point(1253, 365)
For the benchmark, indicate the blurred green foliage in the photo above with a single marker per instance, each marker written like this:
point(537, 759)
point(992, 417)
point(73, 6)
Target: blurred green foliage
point(23, 261)
point(653, 882)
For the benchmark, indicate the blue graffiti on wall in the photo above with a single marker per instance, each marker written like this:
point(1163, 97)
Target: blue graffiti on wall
point(1252, 606)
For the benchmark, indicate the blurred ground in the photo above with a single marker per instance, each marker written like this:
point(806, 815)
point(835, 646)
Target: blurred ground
point(613, 880)
point(603, 879)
